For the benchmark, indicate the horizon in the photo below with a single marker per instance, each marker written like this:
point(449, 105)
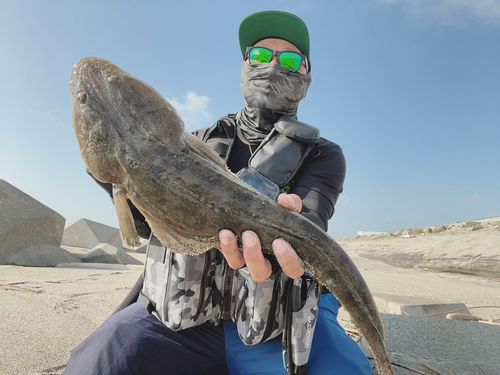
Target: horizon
point(409, 89)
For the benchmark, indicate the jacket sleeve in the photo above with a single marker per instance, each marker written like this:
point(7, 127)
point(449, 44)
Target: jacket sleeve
point(320, 181)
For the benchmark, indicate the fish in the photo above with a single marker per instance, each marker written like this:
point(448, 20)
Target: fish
point(130, 136)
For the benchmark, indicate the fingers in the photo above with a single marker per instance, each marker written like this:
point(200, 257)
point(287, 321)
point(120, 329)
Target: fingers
point(287, 258)
point(259, 267)
point(230, 250)
point(291, 202)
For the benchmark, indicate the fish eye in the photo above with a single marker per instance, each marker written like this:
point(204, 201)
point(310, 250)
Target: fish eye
point(113, 78)
point(81, 96)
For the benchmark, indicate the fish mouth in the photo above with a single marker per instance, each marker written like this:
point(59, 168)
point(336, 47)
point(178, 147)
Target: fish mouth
point(92, 76)
point(89, 89)
point(90, 96)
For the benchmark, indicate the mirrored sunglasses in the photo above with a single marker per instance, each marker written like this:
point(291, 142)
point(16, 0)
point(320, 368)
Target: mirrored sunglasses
point(288, 59)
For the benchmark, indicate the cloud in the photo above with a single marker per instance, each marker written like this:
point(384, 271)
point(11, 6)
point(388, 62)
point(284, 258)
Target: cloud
point(389, 218)
point(474, 198)
point(453, 13)
point(343, 200)
point(193, 109)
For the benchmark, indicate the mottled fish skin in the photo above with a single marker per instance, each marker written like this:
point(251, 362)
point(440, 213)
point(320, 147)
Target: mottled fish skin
point(130, 136)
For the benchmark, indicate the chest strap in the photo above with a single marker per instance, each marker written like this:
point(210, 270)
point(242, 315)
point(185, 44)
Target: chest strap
point(281, 153)
point(278, 157)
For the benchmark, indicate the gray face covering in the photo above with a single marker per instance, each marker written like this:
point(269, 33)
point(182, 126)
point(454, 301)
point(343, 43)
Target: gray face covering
point(270, 91)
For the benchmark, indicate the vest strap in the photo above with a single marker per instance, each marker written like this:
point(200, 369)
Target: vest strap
point(287, 145)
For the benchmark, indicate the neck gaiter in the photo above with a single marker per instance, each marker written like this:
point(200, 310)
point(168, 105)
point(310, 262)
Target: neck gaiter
point(270, 91)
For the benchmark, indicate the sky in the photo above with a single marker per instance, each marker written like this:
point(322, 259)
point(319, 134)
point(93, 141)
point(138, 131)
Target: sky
point(410, 89)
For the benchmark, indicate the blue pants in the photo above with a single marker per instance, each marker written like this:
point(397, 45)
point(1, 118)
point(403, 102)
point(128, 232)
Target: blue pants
point(132, 342)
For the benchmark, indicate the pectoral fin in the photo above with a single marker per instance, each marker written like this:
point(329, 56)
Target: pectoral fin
point(200, 148)
point(125, 218)
point(170, 236)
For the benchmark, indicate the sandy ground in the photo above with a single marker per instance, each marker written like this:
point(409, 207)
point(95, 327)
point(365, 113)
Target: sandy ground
point(454, 266)
point(45, 312)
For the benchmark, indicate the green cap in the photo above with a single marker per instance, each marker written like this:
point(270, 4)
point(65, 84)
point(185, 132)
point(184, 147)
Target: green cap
point(274, 24)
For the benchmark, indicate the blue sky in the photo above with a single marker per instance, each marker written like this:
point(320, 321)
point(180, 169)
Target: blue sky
point(410, 89)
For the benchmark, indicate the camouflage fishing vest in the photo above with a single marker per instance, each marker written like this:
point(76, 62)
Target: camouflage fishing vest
point(185, 291)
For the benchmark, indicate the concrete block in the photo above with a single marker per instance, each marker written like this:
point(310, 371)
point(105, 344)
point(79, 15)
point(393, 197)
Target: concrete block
point(41, 256)
point(88, 234)
point(439, 310)
point(450, 346)
point(404, 305)
point(116, 240)
point(94, 266)
point(106, 253)
point(25, 222)
point(143, 248)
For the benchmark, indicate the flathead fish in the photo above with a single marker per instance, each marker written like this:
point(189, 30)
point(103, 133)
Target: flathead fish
point(130, 136)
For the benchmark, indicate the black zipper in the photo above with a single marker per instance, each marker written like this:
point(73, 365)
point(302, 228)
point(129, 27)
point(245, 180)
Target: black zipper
point(168, 258)
point(226, 302)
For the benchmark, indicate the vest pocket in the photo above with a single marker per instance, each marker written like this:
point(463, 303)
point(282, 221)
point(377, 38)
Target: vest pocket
point(181, 288)
point(258, 312)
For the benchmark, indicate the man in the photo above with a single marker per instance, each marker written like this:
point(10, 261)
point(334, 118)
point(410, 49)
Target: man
point(224, 314)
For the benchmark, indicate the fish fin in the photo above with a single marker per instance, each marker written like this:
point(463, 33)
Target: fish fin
point(197, 146)
point(195, 246)
point(170, 237)
point(125, 218)
point(180, 243)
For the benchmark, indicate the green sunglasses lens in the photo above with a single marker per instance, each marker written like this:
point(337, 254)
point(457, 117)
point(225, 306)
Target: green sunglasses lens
point(290, 60)
point(260, 55)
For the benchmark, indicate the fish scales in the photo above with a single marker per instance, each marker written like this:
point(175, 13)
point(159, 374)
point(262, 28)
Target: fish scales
point(130, 136)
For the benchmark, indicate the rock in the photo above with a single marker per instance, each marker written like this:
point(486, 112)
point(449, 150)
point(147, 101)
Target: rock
point(142, 249)
point(473, 226)
point(106, 253)
point(438, 229)
point(466, 317)
point(88, 234)
point(26, 223)
point(42, 256)
point(408, 233)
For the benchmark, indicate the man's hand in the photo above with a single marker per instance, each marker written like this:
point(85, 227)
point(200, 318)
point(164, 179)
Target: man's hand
point(259, 267)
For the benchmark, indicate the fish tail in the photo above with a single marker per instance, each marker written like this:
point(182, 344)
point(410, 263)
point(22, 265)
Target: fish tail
point(384, 366)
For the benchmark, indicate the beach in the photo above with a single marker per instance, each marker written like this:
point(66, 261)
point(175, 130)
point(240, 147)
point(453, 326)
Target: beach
point(48, 311)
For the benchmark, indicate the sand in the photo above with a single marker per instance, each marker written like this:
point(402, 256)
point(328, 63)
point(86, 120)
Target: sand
point(45, 312)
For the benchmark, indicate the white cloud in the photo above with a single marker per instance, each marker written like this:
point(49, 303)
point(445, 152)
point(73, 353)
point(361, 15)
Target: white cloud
point(474, 198)
point(193, 109)
point(343, 200)
point(454, 13)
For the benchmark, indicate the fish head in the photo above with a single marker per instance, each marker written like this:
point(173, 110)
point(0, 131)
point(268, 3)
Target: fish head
point(113, 110)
